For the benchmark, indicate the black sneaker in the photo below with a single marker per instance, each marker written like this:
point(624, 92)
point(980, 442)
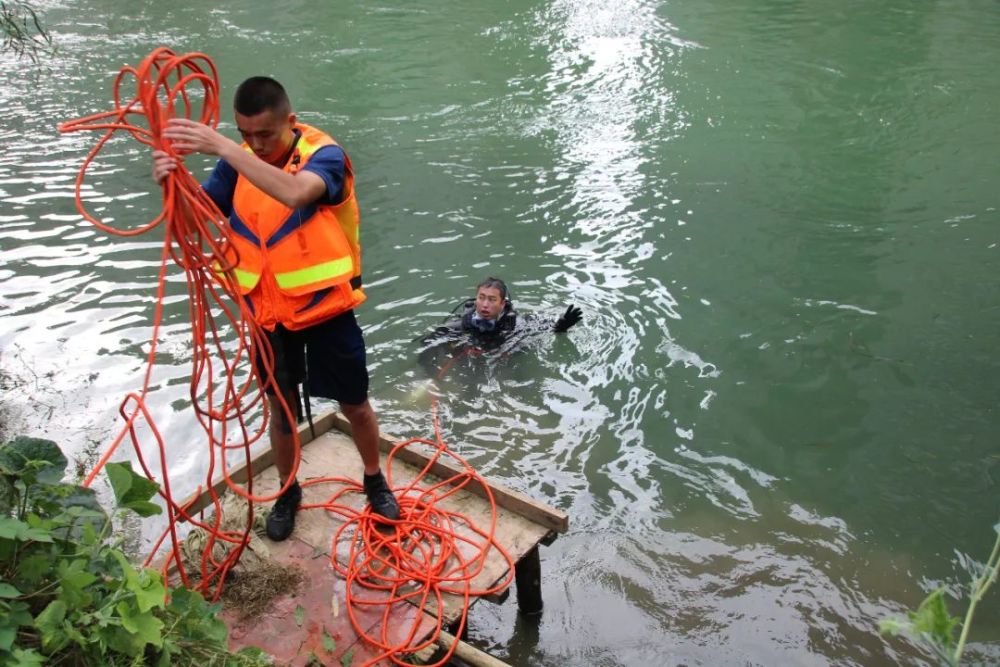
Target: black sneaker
point(281, 520)
point(380, 496)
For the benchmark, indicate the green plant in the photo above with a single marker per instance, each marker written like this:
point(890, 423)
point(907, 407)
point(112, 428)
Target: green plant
point(68, 594)
point(935, 626)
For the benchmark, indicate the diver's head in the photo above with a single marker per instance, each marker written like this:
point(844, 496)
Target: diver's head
point(491, 297)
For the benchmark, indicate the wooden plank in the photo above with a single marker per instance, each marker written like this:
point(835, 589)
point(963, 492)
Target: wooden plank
point(518, 527)
point(334, 455)
point(505, 497)
point(199, 500)
point(468, 653)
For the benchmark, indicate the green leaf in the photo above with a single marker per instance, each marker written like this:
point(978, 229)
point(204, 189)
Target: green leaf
point(346, 659)
point(14, 529)
point(117, 638)
point(10, 528)
point(300, 614)
point(35, 567)
point(103, 617)
point(164, 659)
point(132, 491)
point(144, 508)
point(50, 624)
point(894, 626)
point(149, 590)
point(253, 652)
point(328, 644)
point(211, 628)
point(8, 495)
point(74, 634)
point(8, 633)
point(74, 573)
point(28, 658)
point(33, 459)
point(116, 556)
point(20, 614)
point(146, 585)
point(8, 591)
point(144, 627)
point(12, 615)
point(73, 579)
point(89, 535)
point(932, 619)
point(184, 601)
point(78, 502)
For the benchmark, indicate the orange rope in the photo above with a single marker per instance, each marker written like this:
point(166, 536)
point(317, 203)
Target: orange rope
point(222, 404)
point(418, 559)
point(425, 556)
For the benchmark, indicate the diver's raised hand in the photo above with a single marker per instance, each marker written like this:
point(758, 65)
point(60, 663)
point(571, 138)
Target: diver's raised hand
point(568, 319)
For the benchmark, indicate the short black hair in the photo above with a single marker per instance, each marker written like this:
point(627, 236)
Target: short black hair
point(261, 93)
point(494, 283)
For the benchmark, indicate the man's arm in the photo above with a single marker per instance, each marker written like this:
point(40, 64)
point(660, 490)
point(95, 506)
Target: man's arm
point(292, 190)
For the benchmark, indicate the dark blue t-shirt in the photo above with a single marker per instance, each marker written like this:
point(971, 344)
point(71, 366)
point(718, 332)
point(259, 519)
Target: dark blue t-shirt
point(327, 162)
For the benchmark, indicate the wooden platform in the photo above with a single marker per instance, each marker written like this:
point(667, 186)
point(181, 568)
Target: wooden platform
point(314, 623)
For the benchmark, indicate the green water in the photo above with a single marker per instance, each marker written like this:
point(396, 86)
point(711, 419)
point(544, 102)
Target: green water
point(778, 422)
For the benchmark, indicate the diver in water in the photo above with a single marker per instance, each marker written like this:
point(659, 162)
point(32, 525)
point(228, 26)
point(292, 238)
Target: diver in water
point(488, 323)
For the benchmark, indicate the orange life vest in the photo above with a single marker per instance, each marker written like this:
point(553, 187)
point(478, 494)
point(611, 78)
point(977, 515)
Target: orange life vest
point(296, 267)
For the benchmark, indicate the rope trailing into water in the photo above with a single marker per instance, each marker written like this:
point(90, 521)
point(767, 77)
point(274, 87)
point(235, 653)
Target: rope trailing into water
point(428, 553)
point(223, 399)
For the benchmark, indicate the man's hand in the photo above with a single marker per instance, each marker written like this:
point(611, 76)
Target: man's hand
point(189, 136)
point(186, 136)
point(163, 164)
point(568, 319)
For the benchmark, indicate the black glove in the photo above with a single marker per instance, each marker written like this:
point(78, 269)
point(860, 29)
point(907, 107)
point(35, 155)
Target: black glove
point(568, 319)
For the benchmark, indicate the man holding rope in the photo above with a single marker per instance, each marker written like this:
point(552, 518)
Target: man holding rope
point(288, 192)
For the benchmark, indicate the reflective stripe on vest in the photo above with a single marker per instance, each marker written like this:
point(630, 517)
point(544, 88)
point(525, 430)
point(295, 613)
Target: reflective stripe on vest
point(246, 279)
point(314, 274)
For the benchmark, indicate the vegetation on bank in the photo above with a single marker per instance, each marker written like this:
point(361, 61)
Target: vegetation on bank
point(22, 31)
point(68, 593)
point(934, 626)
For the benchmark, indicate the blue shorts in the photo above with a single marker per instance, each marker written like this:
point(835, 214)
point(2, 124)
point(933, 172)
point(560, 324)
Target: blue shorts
point(329, 357)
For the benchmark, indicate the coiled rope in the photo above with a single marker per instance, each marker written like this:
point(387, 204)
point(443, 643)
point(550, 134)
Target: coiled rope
point(423, 556)
point(432, 552)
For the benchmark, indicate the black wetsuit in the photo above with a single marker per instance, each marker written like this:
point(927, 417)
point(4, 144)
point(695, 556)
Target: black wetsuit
point(463, 332)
